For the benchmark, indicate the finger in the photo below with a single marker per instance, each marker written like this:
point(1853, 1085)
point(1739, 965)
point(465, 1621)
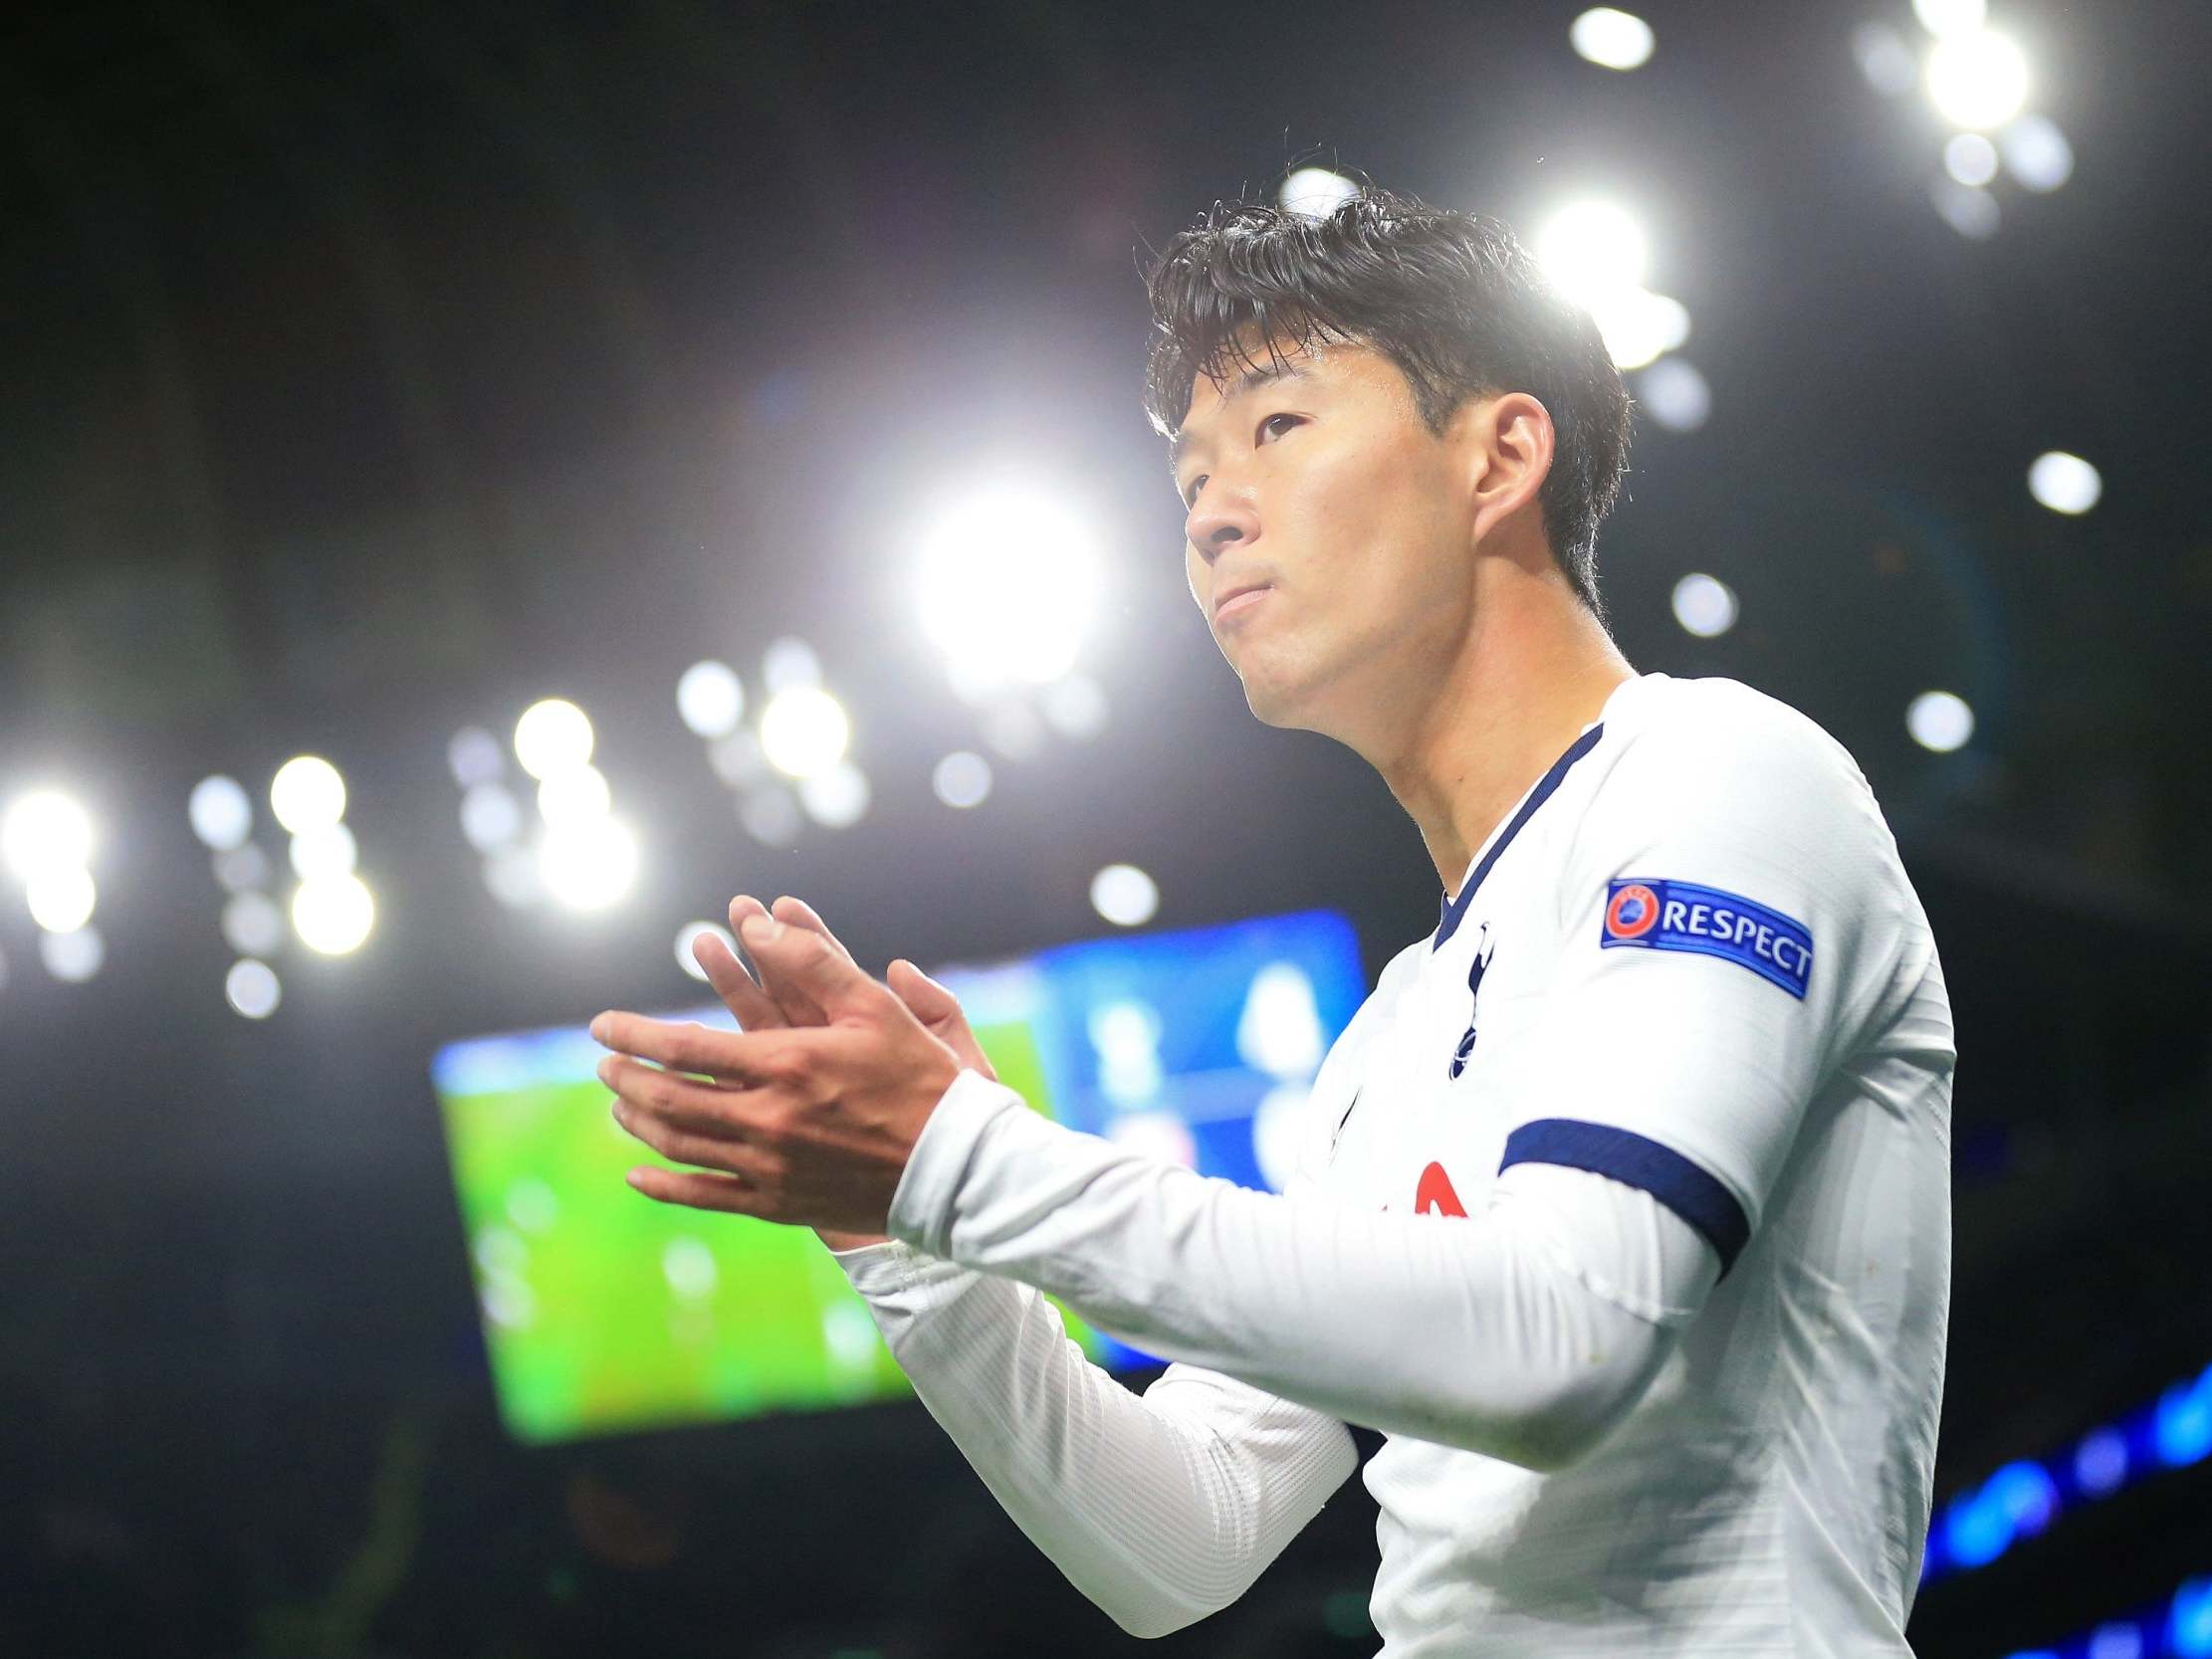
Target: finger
point(727, 1193)
point(797, 912)
point(799, 960)
point(748, 1057)
point(696, 1108)
point(679, 1145)
point(920, 992)
point(792, 1000)
point(754, 1008)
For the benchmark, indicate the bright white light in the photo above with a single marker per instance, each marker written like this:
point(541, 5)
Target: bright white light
point(737, 760)
point(1704, 606)
point(1970, 158)
point(552, 737)
point(1945, 18)
point(490, 816)
point(837, 799)
point(474, 756)
point(1977, 80)
point(588, 864)
point(688, 935)
point(318, 854)
point(1593, 249)
point(1279, 1031)
point(1940, 720)
point(73, 957)
point(333, 916)
point(769, 814)
point(306, 795)
point(575, 793)
point(2037, 153)
point(1675, 395)
point(1639, 325)
point(60, 897)
point(1883, 59)
point(962, 779)
point(1972, 213)
point(46, 830)
point(1315, 192)
point(1013, 728)
point(788, 662)
point(689, 1267)
point(251, 989)
point(1009, 581)
point(1075, 707)
point(710, 698)
point(252, 925)
point(804, 731)
point(513, 875)
point(222, 813)
point(2065, 483)
point(1125, 896)
point(241, 868)
point(1611, 39)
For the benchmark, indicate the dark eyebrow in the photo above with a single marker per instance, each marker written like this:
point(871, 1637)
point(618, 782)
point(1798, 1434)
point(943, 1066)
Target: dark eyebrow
point(1265, 375)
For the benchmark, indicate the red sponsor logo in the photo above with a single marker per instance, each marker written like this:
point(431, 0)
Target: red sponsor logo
point(1435, 1193)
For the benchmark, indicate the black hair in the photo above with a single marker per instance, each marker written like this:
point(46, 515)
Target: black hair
point(1452, 299)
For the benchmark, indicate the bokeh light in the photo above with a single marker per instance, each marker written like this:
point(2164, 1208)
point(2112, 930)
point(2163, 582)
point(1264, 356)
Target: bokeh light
point(710, 698)
point(306, 795)
point(60, 897)
point(804, 730)
point(251, 989)
point(73, 957)
point(1704, 606)
point(687, 936)
point(45, 830)
point(2065, 483)
point(573, 794)
point(1611, 39)
point(985, 596)
point(1940, 720)
point(253, 926)
point(1970, 158)
point(319, 853)
point(1675, 395)
point(221, 812)
point(333, 916)
point(553, 736)
point(2036, 152)
point(836, 799)
point(1315, 192)
point(1978, 79)
point(962, 779)
point(1125, 896)
point(588, 863)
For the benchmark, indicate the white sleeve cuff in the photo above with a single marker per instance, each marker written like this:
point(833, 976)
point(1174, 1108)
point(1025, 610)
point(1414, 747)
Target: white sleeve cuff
point(922, 1209)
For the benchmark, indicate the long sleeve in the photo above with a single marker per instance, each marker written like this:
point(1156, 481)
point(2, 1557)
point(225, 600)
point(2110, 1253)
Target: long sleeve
point(1160, 1507)
point(1524, 1333)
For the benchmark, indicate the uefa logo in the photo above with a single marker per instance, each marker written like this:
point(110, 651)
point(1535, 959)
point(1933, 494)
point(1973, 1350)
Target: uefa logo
point(1634, 911)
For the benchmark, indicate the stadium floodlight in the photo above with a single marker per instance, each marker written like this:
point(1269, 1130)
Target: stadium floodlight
point(1885, 59)
point(588, 864)
point(575, 793)
point(1009, 581)
point(1972, 213)
point(473, 756)
point(329, 851)
point(1075, 707)
point(1704, 606)
point(1970, 158)
point(710, 698)
point(962, 779)
point(1125, 896)
point(804, 731)
point(74, 956)
point(1940, 720)
point(1611, 39)
point(790, 662)
point(2036, 152)
point(490, 816)
point(1640, 326)
point(333, 915)
point(221, 812)
point(46, 830)
point(1979, 80)
point(2065, 483)
point(252, 925)
point(1945, 18)
point(836, 799)
point(553, 736)
point(60, 897)
point(251, 989)
point(1593, 249)
point(1315, 192)
point(306, 795)
point(1675, 395)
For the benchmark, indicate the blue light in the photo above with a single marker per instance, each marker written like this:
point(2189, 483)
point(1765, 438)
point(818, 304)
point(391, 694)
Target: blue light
point(2024, 1495)
point(2101, 1461)
point(1976, 1529)
point(2034, 1653)
point(2122, 1639)
point(2189, 1631)
point(2182, 1429)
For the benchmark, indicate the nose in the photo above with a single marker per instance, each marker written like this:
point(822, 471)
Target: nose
point(1220, 524)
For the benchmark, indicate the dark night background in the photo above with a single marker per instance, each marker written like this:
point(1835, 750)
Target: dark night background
point(372, 370)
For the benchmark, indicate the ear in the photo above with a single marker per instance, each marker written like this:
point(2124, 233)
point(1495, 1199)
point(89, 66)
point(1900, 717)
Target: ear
point(1511, 440)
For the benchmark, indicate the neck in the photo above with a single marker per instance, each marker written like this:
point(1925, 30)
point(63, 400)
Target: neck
point(1534, 667)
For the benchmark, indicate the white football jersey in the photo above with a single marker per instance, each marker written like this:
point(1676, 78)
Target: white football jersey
point(1689, 961)
point(1680, 1052)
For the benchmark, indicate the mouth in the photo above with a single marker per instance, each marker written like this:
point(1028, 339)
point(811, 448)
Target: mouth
point(1237, 600)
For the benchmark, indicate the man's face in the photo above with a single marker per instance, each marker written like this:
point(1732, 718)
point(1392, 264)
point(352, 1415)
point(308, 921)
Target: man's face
point(1319, 481)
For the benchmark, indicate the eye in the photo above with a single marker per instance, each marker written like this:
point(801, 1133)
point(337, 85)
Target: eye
point(1279, 416)
point(1191, 496)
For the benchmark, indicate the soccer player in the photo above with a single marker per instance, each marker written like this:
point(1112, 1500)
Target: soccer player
point(1623, 1208)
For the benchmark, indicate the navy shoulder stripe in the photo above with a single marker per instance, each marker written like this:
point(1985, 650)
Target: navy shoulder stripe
point(1690, 1191)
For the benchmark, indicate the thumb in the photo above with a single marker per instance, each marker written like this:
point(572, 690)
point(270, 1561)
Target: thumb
point(798, 959)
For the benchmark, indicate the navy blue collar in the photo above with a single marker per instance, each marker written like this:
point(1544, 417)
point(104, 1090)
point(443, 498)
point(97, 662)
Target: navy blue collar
point(1454, 909)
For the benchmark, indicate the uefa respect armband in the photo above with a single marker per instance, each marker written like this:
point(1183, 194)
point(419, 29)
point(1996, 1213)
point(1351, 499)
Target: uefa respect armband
point(1644, 913)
